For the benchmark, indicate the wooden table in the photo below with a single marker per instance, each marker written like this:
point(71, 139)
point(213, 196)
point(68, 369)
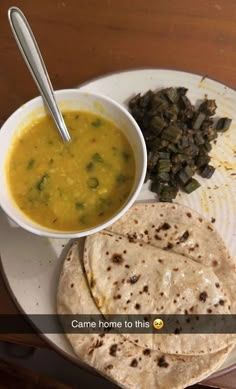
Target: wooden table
point(83, 39)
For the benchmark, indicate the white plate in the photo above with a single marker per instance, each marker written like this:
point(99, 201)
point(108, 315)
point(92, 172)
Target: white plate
point(31, 263)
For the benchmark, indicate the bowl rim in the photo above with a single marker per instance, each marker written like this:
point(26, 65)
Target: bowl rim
point(50, 233)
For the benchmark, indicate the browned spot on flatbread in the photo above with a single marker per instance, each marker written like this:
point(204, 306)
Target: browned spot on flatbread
point(133, 279)
point(117, 258)
point(113, 350)
point(162, 362)
point(134, 363)
point(203, 296)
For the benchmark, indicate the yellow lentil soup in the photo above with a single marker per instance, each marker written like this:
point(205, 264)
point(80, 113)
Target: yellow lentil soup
point(71, 186)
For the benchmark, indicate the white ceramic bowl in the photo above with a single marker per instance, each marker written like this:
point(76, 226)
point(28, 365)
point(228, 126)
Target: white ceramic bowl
point(70, 99)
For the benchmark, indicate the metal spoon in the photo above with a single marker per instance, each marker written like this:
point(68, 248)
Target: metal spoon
point(33, 58)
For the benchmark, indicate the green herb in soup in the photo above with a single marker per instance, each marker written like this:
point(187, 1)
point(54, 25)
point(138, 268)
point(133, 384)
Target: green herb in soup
point(71, 186)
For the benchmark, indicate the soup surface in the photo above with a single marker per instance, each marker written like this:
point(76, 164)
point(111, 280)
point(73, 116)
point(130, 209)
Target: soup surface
point(71, 186)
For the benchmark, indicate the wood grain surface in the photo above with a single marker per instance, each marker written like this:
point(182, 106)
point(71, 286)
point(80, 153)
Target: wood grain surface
point(83, 39)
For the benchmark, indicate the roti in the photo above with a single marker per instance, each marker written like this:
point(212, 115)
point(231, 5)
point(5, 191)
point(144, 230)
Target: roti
point(172, 261)
point(114, 356)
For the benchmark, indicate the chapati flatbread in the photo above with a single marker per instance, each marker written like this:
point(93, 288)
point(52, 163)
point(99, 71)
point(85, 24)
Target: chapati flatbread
point(183, 240)
point(137, 278)
point(124, 363)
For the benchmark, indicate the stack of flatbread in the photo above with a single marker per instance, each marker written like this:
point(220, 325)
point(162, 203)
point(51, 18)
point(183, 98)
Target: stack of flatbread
point(157, 259)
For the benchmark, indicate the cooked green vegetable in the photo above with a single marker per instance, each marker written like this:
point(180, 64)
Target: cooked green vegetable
point(97, 157)
point(97, 123)
point(42, 182)
point(30, 164)
point(191, 185)
point(93, 182)
point(79, 205)
point(178, 137)
point(207, 171)
point(223, 124)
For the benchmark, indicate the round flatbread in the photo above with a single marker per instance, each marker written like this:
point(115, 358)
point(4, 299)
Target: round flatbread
point(163, 259)
point(113, 356)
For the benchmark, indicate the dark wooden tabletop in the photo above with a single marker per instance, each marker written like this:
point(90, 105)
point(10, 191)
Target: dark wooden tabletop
point(83, 39)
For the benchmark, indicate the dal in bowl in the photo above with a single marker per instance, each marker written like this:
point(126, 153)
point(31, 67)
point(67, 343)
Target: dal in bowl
point(71, 189)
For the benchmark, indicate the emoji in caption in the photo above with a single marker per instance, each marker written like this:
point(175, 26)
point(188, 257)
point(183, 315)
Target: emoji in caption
point(158, 324)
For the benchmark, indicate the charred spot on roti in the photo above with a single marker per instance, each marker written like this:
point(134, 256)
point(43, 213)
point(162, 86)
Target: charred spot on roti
point(108, 268)
point(117, 258)
point(113, 350)
point(221, 302)
point(176, 269)
point(174, 301)
point(209, 310)
point(203, 296)
point(160, 260)
point(127, 266)
point(115, 282)
point(128, 301)
point(117, 297)
point(189, 214)
point(92, 282)
point(213, 219)
point(136, 340)
point(161, 294)
point(72, 285)
point(169, 246)
point(200, 219)
point(210, 228)
point(109, 367)
point(124, 252)
point(98, 343)
point(214, 263)
point(107, 253)
point(162, 362)
point(191, 309)
point(184, 237)
point(143, 260)
point(133, 279)
point(157, 237)
point(146, 351)
point(146, 232)
point(134, 363)
point(217, 284)
point(132, 237)
point(145, 288)
point(69, 256)
point(164, 226)
point(137, 306)
point(135, 221)
point(140, 244)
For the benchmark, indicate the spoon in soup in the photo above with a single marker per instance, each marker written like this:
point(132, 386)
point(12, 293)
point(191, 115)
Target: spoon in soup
point(33, 58)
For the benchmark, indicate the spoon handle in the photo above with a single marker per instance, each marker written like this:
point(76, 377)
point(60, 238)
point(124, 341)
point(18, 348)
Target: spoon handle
point(33, 58)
